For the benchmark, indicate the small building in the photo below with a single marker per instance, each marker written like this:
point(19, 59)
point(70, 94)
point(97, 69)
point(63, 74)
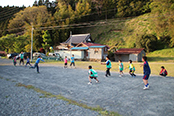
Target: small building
point(74, 40)
point(126, 54)
point(92, 51)
point(83, 48)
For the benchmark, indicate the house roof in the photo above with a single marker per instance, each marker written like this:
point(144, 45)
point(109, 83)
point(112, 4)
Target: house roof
point(79, 48)
point(129, 51)
point(92, 45)
point(75, 39)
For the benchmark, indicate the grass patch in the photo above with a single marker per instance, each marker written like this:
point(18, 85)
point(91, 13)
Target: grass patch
point(73, 102)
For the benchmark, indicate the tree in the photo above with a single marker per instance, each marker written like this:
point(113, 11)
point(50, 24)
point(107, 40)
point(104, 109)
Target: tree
point(35, 3)
point(38, 16)
point(41, 2)
point(82, 9)
point(149, 42)
point(46, 39)
point(6, 43)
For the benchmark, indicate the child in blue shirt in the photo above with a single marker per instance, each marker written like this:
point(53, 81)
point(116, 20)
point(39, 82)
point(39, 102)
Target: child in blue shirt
point(146, 71)
point(72, 61)
point(28, 61)
point(92, 75)
point(36, 63)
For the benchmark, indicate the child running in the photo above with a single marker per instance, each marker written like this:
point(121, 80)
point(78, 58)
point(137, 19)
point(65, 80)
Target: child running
point(28, 62)
point(121, 68)
point(14, 60)
point(36, 63)
point(147, 71)
point(92, 75)
point(131, 69)
point(65, 62)
point(21, 57)
point(163, 71)
point(108, 66)
point(72, 61)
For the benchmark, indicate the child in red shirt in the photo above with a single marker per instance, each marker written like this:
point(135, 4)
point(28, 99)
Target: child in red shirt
point(163, 71)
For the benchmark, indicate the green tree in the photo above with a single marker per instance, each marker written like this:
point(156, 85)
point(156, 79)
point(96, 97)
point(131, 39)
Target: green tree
point(35, 3)
point(46, 39)
point(149, 42)
point(82, 9)
point(6, 43)
point(40, 3)
point(38, 16)
point(20, 43)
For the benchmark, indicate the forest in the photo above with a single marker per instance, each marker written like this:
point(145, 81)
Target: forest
point(52, 22)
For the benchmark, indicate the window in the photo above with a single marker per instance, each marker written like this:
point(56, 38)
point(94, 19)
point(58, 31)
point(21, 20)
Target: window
point(96, 51)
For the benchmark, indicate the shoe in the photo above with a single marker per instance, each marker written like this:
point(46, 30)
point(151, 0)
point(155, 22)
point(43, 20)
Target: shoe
point(90, 83)
point(38, 72)
point(120, 76)
point(97, 81)
point(146, 87)
point(105, 76)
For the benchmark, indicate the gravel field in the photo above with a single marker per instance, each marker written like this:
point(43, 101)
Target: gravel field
point(124, 95)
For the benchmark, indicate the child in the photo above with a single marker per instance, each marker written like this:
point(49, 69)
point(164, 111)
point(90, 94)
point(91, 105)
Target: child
point(163, 71)
point(131, 69)
point(65, 62)
point(28, 61)
point(14, 60)
point(72, 60)
point(92, 75)
point(108, 66)
point(36, 63)
point(21, 57)
point(147, 71)
point(121, 68)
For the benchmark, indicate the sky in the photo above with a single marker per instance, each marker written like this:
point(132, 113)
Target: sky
point(16, 2)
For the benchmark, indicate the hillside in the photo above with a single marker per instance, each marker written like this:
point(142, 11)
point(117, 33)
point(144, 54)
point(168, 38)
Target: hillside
point(140, 32)
point(110, 32)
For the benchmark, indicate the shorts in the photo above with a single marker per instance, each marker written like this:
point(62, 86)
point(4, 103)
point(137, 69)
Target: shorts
point(131, 71)
point(65, 63)
point(146, 76)
point(72, 63)
point(93, 77)
point(121, 69)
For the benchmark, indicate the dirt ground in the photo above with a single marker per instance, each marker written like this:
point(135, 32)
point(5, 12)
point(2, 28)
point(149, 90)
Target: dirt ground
point(124, 95)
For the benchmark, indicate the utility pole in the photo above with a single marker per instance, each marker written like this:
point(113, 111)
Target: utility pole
point(70, 42)
point(31, 42)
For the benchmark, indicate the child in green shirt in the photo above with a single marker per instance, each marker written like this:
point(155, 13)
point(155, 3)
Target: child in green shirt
point(92, 75)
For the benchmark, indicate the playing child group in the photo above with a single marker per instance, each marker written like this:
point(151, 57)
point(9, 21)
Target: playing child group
point(93, 74)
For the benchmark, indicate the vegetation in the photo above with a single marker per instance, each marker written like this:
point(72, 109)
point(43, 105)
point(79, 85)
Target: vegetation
point(62, 16)
point(117, 23)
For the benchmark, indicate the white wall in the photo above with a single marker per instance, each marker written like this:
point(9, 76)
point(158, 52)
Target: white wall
point(133, 57)
point(77, 54)
point(93, 55)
